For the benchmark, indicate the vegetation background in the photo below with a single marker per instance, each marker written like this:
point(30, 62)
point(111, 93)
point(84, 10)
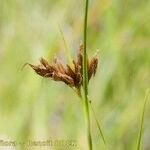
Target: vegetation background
point(35, 108)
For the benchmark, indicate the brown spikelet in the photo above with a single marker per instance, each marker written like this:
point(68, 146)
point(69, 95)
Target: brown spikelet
point(40, 70)
point(78, 80)
point(92, 66)
point(44, 62)
point(67, 79)
point(60, 67)
point(70, 72)
point(80, 55)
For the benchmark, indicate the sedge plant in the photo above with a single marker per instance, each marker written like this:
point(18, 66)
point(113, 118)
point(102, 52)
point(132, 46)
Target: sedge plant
point(76, 75)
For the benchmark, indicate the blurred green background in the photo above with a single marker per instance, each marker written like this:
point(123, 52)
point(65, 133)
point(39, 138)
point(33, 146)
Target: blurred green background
point(35, 108)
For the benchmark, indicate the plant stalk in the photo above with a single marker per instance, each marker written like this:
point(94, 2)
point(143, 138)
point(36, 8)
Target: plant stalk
point(142, 120)
point(85, 78)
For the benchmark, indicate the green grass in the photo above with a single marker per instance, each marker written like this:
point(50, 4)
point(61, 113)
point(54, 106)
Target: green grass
point(85, 78)
point(99, 126)
point(29, 30)
point(142, 120)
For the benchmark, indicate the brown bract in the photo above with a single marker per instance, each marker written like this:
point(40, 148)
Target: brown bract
point(71, 76)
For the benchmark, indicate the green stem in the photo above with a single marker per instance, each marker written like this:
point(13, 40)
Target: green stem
point(142, 120)
point(99, 126)
point(85, 79)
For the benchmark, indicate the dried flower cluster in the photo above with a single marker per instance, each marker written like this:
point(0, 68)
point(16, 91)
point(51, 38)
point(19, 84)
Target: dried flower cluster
point(70, 76)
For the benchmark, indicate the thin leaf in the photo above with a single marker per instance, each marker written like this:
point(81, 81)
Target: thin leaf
point(142, 120)
point(99, 126)
point(66, 47)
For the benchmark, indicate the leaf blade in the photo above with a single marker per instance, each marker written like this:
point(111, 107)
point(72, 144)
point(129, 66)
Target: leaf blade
point(142, 120)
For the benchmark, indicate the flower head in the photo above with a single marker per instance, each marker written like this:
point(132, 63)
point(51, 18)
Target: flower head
point(73, 77)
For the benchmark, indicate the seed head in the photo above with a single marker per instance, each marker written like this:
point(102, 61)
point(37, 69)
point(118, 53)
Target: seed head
point(73, 77)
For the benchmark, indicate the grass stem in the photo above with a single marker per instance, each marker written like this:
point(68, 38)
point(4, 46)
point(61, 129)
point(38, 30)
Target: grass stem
point(142, 120)
point(85, 78)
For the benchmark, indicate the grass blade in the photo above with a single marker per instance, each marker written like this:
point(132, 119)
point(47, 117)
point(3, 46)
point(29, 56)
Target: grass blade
point(99, 126)
point(142, 120)
point(66, 47)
